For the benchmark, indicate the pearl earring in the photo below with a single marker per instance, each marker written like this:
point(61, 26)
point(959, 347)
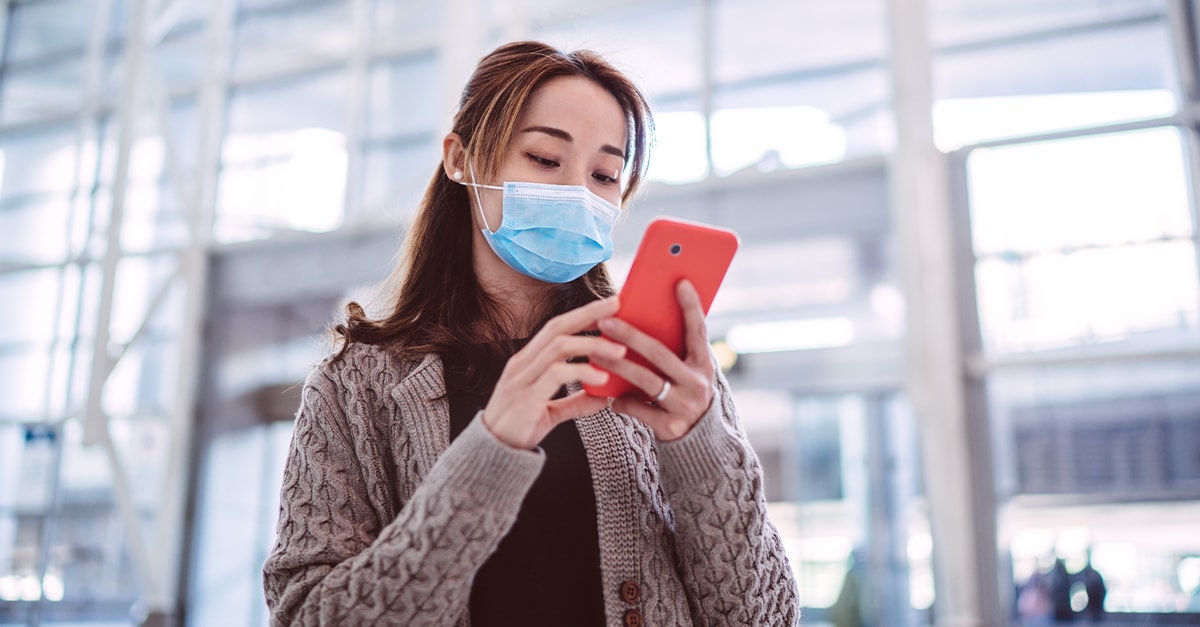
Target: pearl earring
point(458, 175)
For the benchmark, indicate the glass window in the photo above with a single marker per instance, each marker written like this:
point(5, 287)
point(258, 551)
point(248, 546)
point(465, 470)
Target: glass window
point(85, 473)
point(833, 528)
point(769, 38)
point(962, 121)
point(398, 21)
point(679, 154)
point(19, 578)
point(154, 215)
point(97, 566)
point(51, 91)
point(1074, 80)
point(143, 443)
point(1083, 240)
point(798, 84)
point(30, 451)
point(50, 27)
point(32, 297)
point(154, 219)
point(820, 272)
point(954, 22)
point(396, 176)
point(1084, 440)
point(403, 98)
point(283, 166)
point(1097, 295)
point(40, 162)
point(23, 383)
point(794, 123)
point(239, 474)
point(185, 17)
point(657, 43)
point(185, 125)
point(139, 280)
point(252, 5)
point(271, 42)
point(1080, 192)
point(144, 380)
point(34, 229)
point(274, 106)
point(180, 61)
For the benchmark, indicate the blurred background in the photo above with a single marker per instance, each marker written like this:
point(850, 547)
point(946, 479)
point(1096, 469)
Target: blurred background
point(962, 330)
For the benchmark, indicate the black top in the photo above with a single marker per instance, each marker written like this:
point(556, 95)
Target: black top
point(546, 571)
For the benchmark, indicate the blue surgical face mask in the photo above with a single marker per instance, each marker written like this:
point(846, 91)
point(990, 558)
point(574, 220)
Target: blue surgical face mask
point(553, 233)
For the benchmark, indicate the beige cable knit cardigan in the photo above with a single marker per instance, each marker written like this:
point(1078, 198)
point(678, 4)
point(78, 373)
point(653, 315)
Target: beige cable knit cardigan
point(384, 521)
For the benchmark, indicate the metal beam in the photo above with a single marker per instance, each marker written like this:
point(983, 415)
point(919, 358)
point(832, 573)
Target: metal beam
point(95, 421)
point(463, 36)
point(707, 82)
point(172, 533)
point(1185, 35)
point(957, 483)
point(358, 68)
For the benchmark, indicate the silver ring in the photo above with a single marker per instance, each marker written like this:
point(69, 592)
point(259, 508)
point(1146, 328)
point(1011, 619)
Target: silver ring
point(662, 396)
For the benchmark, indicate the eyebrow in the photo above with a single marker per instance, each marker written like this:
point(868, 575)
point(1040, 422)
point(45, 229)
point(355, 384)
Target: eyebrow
point(565, 136)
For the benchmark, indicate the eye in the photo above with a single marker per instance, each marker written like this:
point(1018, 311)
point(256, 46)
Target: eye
point(542, 161)
point(604, 178)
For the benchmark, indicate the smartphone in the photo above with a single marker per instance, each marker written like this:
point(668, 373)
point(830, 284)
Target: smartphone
point(671, 250)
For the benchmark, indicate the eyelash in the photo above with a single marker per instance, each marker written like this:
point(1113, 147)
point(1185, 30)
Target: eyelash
point(542, 161)
point(550, 163)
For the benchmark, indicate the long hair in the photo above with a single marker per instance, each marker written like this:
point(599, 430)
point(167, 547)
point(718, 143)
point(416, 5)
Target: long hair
point(439, 305)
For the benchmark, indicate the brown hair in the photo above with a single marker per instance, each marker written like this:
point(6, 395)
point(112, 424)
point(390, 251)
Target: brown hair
point(440, 305)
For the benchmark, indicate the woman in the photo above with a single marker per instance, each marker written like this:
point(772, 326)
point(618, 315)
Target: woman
point(446, 467)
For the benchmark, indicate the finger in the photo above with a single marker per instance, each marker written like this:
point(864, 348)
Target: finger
point(575, 405)
point(575, 321)
point(660, 357)
point(559, 374)
point(642, 378)
point(695, 328)
point(529, 363)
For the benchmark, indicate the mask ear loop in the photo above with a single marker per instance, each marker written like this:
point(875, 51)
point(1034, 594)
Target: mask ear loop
point(475, 188)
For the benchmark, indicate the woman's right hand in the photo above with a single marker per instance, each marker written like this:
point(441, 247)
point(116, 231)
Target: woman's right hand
point(520, 411)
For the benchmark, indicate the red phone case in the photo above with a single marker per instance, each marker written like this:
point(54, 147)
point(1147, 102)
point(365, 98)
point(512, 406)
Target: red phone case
point(671, 250)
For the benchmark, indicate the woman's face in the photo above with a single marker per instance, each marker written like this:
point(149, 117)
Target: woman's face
point(572, 132)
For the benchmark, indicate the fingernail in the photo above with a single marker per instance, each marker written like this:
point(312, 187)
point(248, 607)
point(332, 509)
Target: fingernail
point(607, 324)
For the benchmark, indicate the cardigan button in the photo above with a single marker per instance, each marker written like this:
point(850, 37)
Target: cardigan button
point(630, 591)
point(633, 618)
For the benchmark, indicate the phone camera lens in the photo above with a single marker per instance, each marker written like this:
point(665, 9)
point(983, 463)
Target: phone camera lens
point(676, 249)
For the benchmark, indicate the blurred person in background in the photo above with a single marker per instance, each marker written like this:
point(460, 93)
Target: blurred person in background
point(855, 602)
point(1093, 585)
point(1059, 585)
point(1034, 606)
point(447, 469)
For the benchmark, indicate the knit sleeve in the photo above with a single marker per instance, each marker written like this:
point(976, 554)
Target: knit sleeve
point(336, 563)
point(731, 557)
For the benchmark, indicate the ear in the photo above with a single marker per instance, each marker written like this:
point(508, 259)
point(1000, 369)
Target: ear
point(454, 156)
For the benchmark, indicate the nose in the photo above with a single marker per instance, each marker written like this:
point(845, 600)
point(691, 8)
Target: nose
point(578, 175)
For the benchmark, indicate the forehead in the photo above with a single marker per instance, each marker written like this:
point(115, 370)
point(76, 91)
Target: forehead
point(578, 106)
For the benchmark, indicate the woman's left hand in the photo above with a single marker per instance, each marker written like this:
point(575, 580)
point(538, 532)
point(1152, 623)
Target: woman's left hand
point(674, 401)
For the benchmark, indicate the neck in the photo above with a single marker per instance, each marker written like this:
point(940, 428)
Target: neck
point(522, 301)
point(519, 310)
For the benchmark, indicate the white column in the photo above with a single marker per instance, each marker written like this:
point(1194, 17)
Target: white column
point(958, 483)
point(95, 421)
point(463, 42)
point(170, 532)
point(356, 114)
